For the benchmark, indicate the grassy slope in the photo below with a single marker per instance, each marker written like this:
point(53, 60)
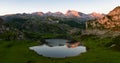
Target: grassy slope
point(18, 52)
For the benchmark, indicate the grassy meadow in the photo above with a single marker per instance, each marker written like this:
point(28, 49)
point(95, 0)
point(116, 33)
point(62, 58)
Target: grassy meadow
point(98, 52)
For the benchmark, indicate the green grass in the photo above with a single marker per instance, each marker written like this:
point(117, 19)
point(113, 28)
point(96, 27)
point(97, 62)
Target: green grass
point(18, 52)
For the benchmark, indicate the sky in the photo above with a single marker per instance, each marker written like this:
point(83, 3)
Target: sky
point(29, 6)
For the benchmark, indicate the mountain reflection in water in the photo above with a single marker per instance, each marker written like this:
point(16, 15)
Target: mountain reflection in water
point(59, 48)
point(73, 45)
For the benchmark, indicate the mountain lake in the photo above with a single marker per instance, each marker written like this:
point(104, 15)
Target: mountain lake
point(59, 48)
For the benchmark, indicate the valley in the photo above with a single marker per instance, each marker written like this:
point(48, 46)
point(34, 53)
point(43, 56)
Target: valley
point(99, 33)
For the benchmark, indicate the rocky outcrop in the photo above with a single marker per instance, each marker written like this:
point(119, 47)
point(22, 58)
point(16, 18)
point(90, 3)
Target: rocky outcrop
point(112, 19)
point(115, 11)
point(9, 33)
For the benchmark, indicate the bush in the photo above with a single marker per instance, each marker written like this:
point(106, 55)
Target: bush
point(115, 43)
point(9, 35)
point(32, 35)
point(91, 36)
point(116, 40)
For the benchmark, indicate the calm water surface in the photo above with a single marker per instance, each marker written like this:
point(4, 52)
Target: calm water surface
point(59, 48)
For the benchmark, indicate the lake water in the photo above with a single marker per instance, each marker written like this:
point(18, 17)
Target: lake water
point(59, 48)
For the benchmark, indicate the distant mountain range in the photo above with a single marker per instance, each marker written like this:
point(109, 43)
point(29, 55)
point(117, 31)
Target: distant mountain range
point(32, 21)
point(34, 25)
point(69, 14)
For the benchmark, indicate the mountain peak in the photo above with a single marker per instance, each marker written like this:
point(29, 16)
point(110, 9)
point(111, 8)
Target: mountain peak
point(115, 11)
point(97, 15)
point(58, 13)
point(72, 13)
point(112, 19)
point(94, 13)
point(38, 13)
point(118, 7)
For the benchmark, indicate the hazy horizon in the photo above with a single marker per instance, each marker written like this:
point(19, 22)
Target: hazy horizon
point(85, 6)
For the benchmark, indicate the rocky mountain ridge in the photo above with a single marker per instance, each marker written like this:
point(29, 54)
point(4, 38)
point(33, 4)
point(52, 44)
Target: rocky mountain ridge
point(70, 14)
point(110, 21)
point(9, 33)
